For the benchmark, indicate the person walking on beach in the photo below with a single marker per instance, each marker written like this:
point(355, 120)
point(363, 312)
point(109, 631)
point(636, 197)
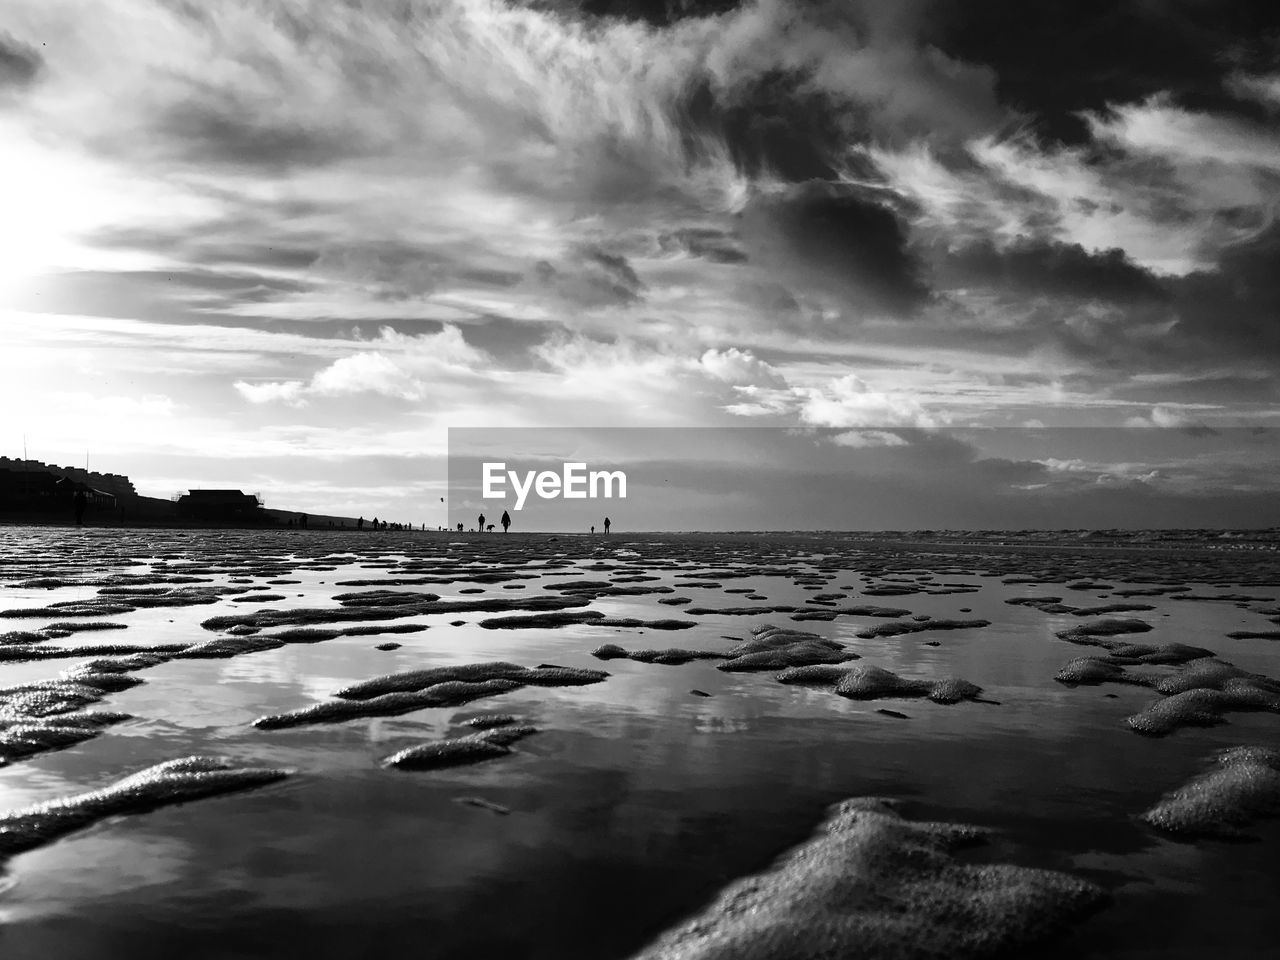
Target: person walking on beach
point(506, 521)
point(480, 524)
point(360, 523)
point(80, 501)
point(607, 525)
point(593, 529)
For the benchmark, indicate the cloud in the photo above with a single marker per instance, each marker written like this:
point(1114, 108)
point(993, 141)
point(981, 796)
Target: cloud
point(1004, 189)
point(589, 276)
point(826, 237)
point(1171, 415)
point(849, 401)
point(740, 367)
point(1041, 267)
point(864, 439)
point(20, 62)
point(710, 243)
point(1264, 88)
point(1157, 127)
point(272, 391)
point(845, 216)
point(867, 57)
point(403, 367)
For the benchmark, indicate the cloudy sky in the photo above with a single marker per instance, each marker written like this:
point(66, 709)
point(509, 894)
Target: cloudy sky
point(284, 245)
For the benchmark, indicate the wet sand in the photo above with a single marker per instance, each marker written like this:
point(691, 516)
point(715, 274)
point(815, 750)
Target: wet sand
point(529, 746)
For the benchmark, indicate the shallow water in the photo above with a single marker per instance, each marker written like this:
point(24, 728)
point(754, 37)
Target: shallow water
point(637, 800)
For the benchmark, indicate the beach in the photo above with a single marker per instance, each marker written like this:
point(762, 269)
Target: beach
point(642, 740)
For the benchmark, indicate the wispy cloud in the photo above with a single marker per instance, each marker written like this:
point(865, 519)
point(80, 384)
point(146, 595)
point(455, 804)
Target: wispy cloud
point(299, 218)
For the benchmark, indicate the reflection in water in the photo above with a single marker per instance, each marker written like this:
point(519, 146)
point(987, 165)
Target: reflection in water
point(636, 800)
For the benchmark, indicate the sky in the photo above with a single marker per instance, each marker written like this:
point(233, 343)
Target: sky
point(905, 478)
point(286, 246)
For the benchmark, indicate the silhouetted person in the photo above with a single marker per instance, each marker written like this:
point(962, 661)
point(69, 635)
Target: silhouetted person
point(506, 521)
point(480, 525)
point(80, 502)
point(375, 523)
point(302, 520)
point(593, 528)
point(607, 525)
point(459, 527)
point(360, 523)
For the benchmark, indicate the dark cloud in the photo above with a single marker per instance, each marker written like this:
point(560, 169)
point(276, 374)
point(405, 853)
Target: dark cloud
point(20, 63)
point(705, 242)
point(659, 13)
point(510, 342)
point(775, 124)
point(845, 241)
point(1260, 389)
point(232, 135)
point(1120, 330)
point(589, 276)
point(1234, 309)
point(1055, 58)
point(1049, 268)
point(1220, 319)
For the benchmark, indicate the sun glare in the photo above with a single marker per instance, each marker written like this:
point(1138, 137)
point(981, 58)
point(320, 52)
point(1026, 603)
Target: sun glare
point(51, 203)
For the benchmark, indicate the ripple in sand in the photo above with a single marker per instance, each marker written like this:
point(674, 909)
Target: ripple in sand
point(459, 751)
point(174, 781)
point(874, 885)
point(901, 627)
point(867, 682)
point(1242, 786)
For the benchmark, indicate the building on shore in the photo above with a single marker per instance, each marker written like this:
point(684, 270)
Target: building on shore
point(32, 487)
point(114, 485)
point(226, 505)
point(22, 489)
point(65, 491)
